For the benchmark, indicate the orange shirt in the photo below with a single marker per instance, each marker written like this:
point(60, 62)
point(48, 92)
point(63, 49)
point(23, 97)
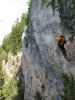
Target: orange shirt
point(60, 40)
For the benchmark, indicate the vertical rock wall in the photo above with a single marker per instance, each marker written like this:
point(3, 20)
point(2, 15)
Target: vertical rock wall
point(42, 63)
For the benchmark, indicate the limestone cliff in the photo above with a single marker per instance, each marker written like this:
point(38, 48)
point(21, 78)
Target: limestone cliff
point(42, 61)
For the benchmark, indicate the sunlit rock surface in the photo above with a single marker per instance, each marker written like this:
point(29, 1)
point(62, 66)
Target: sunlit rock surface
point(12, 65)
point(42, 61)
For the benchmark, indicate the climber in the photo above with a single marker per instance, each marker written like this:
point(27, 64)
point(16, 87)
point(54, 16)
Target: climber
point(60, 42)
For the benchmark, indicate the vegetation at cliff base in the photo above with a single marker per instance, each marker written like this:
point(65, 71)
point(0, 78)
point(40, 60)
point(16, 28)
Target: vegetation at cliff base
point(69, 87)
point(10, 87)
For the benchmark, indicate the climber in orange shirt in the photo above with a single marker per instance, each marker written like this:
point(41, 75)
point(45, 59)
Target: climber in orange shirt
point(60, 42)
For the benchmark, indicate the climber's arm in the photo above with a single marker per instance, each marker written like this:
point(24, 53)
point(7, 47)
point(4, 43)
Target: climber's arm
point(57, 39)
point(65, 41)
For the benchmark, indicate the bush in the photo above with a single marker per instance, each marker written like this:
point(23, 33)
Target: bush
point(9, 89)
point(69, 87)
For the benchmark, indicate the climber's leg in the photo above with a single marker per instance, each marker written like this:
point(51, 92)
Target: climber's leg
point(63, 50)
point(65, 54)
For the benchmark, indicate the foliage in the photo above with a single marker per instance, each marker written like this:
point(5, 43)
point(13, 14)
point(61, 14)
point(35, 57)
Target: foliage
point(44, 2)
point(1, 81)
point(9, 89)
point(12, 42)
point(69, 87)
point(3, 54)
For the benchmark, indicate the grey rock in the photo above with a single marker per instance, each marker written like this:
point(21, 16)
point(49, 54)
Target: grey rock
point(42, 61)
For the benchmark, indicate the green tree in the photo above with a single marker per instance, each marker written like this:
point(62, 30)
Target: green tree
point(12, 42)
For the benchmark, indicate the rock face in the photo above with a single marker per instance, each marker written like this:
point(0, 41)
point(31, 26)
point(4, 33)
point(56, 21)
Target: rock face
point(42, 61)
point(12, 65)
